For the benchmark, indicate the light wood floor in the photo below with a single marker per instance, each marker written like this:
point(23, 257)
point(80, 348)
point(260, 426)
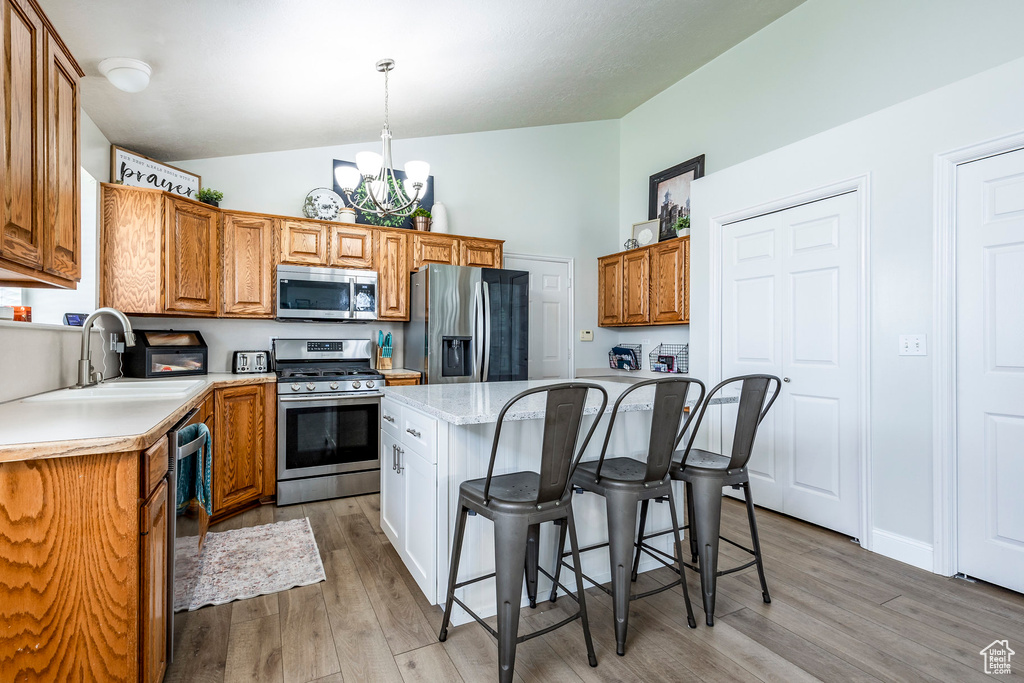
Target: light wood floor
point(838, 613)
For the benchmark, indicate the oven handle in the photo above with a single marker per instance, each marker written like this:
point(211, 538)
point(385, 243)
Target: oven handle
point(332, 398)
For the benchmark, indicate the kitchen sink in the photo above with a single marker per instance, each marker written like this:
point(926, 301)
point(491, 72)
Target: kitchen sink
point(121, 391)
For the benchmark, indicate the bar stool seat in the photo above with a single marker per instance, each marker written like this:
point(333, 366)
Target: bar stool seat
point(616, 472)
point(509, 493)
point(713, 462)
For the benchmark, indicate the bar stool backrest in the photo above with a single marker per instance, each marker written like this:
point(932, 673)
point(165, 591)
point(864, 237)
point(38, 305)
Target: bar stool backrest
point(752, 409)
point(563, 416)
point(669, 401)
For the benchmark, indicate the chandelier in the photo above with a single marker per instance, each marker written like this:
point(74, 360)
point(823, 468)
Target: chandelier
point(383, 195)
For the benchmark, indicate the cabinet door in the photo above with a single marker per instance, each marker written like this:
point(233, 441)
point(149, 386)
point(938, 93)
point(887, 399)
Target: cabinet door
point(636, 277)
point(63, 249)
point(609, 294)
point(131, 247)
point(153, 587)
point(419, 546)
point(668, 276)
point(392, 491)
point(192, 257)
point(248, 266)
point(480, 253)
point(304, 243)
point(351, 247)
point(238, 450)
point(430, 248)
point(22, 168)
point(393, 275)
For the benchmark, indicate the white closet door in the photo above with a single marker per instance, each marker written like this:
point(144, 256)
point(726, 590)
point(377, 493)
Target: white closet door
point(790, 288)
point(990, 369)
point(550, 350)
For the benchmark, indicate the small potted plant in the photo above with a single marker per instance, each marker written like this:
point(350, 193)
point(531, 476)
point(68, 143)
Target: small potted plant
point(421, 219)
point(682, 226)
point(209, 196)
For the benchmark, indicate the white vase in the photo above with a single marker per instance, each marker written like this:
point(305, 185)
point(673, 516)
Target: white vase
point(438, 218)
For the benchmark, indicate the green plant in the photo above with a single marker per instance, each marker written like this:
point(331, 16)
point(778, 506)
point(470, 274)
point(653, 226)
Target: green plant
point(420, 212)
point(206, 194)
point(682, 223)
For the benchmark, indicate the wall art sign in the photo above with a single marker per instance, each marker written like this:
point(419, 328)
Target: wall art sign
point(426, 201)
point(670, 195)
point(135, 170)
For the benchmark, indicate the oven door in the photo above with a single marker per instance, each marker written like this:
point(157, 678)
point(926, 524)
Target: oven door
point(314, 295)
point(318, 435)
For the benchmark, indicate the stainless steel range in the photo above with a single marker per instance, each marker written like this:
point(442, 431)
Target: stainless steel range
point(328, 419)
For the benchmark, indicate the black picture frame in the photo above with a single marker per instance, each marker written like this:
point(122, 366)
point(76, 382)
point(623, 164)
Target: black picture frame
point(654, 206)
point(426, 201)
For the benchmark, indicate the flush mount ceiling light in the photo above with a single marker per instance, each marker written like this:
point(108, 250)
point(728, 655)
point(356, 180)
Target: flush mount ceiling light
point(125, 73)
point(382, 194)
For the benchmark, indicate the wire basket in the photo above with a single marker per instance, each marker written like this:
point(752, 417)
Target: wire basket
point(670, 358)
point(625, 360)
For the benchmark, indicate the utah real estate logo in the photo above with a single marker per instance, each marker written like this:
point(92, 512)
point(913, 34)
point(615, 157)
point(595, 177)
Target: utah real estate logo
point(997, 657)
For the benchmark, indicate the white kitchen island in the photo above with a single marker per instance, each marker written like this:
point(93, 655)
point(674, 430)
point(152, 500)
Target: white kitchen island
point(436, 436)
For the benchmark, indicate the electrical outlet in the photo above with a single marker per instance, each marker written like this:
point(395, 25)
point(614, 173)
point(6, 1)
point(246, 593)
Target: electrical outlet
point(913, 345)
point(119, 347)
point(586, 335)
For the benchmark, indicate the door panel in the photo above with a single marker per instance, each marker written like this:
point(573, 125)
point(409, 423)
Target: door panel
point(238, 448)
point(550, 346)
point(480, 253)
point(428, 248)
point(248, 265)
point(351, 247)
point(62, 255)
point(392, 490)
point(609, 294)
point(668, 278)
point(153, 600)
point(393, 276)
point(636, 272)
point(990, 369)
point(192, 260)
point(303, 243)
point(419, 547)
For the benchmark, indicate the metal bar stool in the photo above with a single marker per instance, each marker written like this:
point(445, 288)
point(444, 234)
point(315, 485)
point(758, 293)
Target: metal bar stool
point(705, 474)
point(518, 503)
point(626, 482)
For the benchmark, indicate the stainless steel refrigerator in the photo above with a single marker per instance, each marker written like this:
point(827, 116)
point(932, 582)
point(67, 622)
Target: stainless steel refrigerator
point(468, 324)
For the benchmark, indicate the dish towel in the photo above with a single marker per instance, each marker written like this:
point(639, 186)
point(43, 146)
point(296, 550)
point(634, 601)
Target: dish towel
point(195, 479)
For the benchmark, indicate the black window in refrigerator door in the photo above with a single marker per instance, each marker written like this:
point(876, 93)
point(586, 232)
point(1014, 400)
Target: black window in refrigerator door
point(509, 299)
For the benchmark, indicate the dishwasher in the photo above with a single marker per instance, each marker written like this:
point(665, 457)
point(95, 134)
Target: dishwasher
point(183, 534)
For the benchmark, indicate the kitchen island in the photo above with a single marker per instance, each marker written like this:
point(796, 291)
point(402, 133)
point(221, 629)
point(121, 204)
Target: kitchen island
point(436, 436)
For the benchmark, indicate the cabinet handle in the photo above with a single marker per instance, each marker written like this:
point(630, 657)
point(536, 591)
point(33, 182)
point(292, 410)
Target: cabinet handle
point(394, 457)
point(413, 432)
point(401, 452)
point(389, 418)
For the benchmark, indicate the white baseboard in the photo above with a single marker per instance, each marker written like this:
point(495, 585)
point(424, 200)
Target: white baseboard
point(909, 550)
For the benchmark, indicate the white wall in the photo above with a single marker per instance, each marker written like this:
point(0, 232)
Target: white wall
point(546, 190)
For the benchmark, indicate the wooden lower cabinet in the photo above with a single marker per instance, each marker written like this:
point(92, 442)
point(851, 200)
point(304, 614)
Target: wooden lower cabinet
point(238, 451)
point(248, 266)
point(153, 584)
point(646, 286)
point(392, 275)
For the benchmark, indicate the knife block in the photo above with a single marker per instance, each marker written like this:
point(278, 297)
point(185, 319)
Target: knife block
point(382, 362)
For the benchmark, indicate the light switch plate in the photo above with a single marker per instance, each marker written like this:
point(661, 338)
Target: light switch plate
point(586, 335)
point(913, 345)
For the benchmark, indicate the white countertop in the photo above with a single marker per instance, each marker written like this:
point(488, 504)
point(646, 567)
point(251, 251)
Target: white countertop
point(26, 422)
point(480, 403)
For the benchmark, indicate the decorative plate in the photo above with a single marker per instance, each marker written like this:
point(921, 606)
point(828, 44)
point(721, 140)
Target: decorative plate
point(322, 204)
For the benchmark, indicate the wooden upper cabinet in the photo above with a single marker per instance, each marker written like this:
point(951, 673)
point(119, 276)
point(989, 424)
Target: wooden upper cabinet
point(24, 132)
point(192, 267)
point(304, 243)
point(238, 451)
point(63, 249)
point(609, 290)
point(636, 273)
point(248, 265)
point(434, 248)
point(350, 247)
point(153, 587)
point(131, 247)
point(668, 273)
point(480, 253)
point(393, 275)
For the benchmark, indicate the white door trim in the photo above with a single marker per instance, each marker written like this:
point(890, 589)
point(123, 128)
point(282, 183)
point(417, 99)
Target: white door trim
point(860, 185)
point(571, 264)
point(944, 415)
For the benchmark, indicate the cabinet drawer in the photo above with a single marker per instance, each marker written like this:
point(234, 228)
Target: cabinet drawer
point(154, 467)
point(420, 432)
point(391, 419)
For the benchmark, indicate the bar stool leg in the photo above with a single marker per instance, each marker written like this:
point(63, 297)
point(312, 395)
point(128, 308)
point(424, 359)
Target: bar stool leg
point(640, 538)
point(510, 536)
point(707, 522)
point(757, 543)
point(570, 521)
point(678, 553)
point(621, 532)
point(532, 557)
point(460, 530)
point(689, 521)
point(563, 527)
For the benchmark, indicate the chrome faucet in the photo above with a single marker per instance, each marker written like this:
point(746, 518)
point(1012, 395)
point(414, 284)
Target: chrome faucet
point(87, 376)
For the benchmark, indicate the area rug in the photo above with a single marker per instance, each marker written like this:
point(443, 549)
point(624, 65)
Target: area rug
point(244, 563)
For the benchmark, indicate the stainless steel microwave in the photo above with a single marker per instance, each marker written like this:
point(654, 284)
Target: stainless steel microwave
point(306, 293)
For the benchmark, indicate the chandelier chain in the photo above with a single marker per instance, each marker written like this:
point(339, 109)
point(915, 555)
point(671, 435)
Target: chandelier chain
point(386, 124)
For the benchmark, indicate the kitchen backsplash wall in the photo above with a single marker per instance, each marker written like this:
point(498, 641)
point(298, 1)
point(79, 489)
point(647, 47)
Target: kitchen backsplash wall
point(35, 358)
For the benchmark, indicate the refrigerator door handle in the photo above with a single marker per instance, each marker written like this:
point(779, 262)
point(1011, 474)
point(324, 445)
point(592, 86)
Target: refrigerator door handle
point(478, 350)
point(487, 333)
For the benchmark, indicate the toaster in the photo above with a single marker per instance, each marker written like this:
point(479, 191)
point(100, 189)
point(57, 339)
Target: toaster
point(249, 361)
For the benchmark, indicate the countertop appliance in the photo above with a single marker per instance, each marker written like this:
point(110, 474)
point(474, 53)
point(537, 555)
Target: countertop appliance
point(166, 353)
point(249, 361)
point(307, 293)
point(328, 419)
point(468, 324)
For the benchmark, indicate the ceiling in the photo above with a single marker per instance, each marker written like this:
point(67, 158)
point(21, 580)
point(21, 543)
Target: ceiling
point(243, 76)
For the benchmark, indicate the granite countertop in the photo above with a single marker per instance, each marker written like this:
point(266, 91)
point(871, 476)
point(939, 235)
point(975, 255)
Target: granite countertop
point(480, 403)
point(45, 429)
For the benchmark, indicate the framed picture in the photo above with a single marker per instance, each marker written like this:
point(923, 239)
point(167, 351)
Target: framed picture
point(136, 170)
point(426, 201)
point(670, 195)
point(646, 232)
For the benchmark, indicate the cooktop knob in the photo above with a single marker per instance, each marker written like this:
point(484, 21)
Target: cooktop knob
point(295, 387)
point(369, 384)
point(334, 385)
point(356, 384)
point(311, 386)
